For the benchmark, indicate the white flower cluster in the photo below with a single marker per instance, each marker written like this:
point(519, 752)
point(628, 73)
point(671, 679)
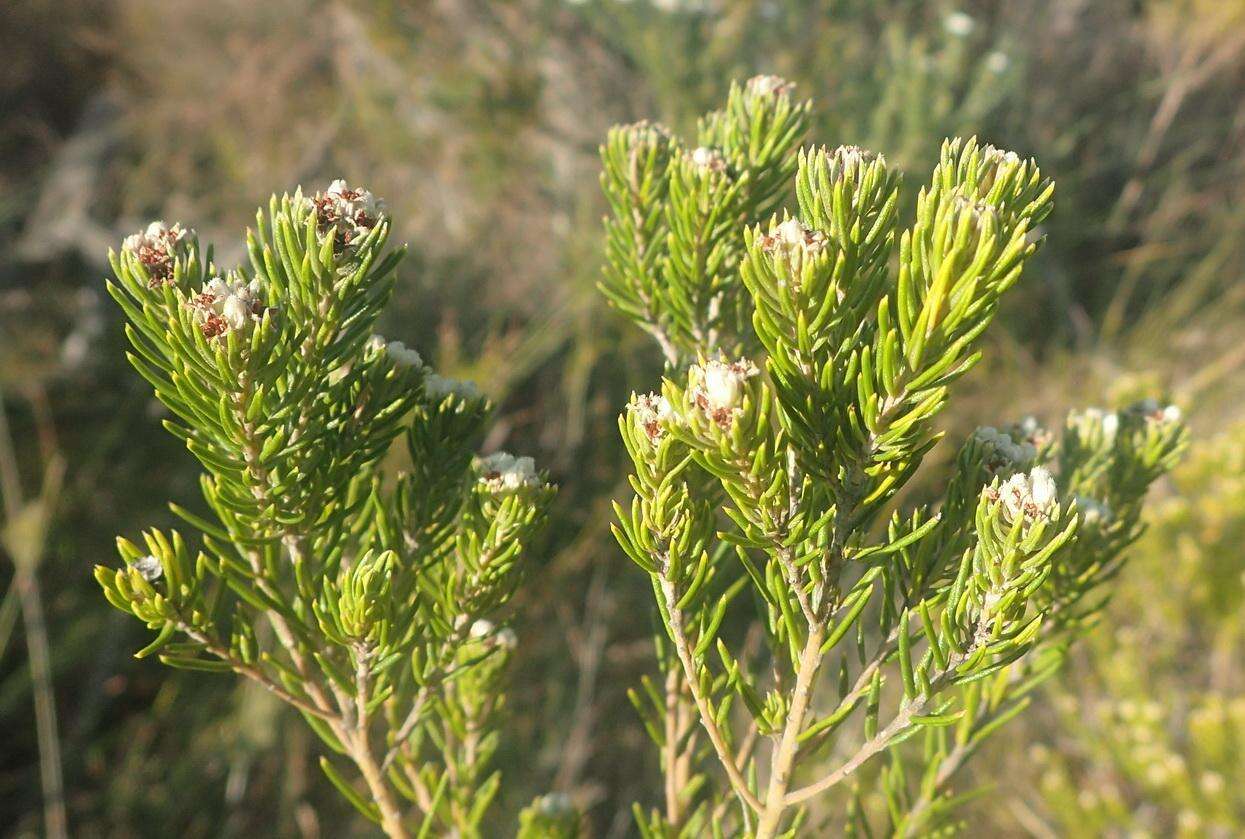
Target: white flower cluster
point(1026, 497)
point(1155, 412)
point(156, 248)
point(652, 411)
point(959, 24)
point(769, 86)
point(1093, 420)
point(851, 158)
point(794, 243)
point(149, 568)
point(707, 160)
point(999, 157)
point(718, 388)
point(503, 472)
point(1002, 454)
point(401, 354)
point(223, 306)
point(648, 133)
point(1030, 431)
point(484, 628)
point(979, 211)
point(348, 213)
point(555, 805)
point(438, 387)
point(1092, 510)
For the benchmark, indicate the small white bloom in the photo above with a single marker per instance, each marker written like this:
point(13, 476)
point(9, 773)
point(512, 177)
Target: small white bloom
point(403, 355)
point(223, 306)
point(1029, 496)
point(652, 412)
point(503, 472)
point(793, 242)
point(959, 24)
point(506, 639)
point(646, 133)
point(156, 248)
point(149, 568)
point(718, 388)
point(769, 86)
point(438, 387)
point(1212, 783)
point(348, 213)
point(997, 62)
point(375, 344)
point(482, 628)
point(707, 159)
point(1154, 411)
point(1092, 510)
point(1002, 454)
point(555, 804)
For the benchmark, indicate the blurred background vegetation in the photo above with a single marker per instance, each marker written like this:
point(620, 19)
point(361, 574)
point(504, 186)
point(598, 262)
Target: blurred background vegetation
point(479, 122)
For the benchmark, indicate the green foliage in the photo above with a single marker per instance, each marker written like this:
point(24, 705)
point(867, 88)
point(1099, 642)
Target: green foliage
point(363, 602)
point(758, 488)
point(1144, 734)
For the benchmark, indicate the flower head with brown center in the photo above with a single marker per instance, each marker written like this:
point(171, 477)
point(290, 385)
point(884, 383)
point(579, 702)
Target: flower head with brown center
point(717, 388)
point(347, 213)
point(224, 306)
point(157, 248)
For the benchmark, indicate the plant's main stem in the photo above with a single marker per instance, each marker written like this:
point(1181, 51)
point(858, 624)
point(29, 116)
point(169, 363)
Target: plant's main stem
point(707, 720)
point(788, 745)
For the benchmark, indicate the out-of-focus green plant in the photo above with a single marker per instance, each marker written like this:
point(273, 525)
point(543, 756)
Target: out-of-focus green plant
point(768, 479)
point(367, 605)
point(1149, 732)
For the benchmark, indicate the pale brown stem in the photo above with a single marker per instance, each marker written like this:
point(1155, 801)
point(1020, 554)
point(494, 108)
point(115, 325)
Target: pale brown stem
point(707, 720)
point(789, 744)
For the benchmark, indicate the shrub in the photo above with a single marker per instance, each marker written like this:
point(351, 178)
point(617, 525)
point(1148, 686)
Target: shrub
point(371, 605)
point(803, 378)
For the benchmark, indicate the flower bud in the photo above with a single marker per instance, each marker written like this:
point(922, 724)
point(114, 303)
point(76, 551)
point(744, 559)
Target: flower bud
point(793, 243)
point(502, 472)
point(347, 213)
point(717, 388)
point(707, 160)
point(652, 412)
point(224, 306)
point(157, 248)
point(769, 86)
point(1026, 498)
point(439, 387)
point(149, 568)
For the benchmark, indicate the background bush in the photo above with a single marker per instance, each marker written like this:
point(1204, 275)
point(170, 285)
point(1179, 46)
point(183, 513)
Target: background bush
point(479, 123)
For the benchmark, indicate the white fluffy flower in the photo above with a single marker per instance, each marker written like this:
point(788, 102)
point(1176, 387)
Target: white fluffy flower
point(1156, 412)
point(1001, 453)
point(997, 62)
point(156, 248)
point(1028, 496)
point(718, 388)
point(503, 472)
point(769, 86)
point(223, 306)
point(707, 159)
point(506, 639)
point(349, 213)
point(403, 355)
point(438, 387)
point(482, 628)
point(149, 568)
point(554, 804)
point(652, 411)
point(1092, 510)
point(793, 242)
point(959, 24)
